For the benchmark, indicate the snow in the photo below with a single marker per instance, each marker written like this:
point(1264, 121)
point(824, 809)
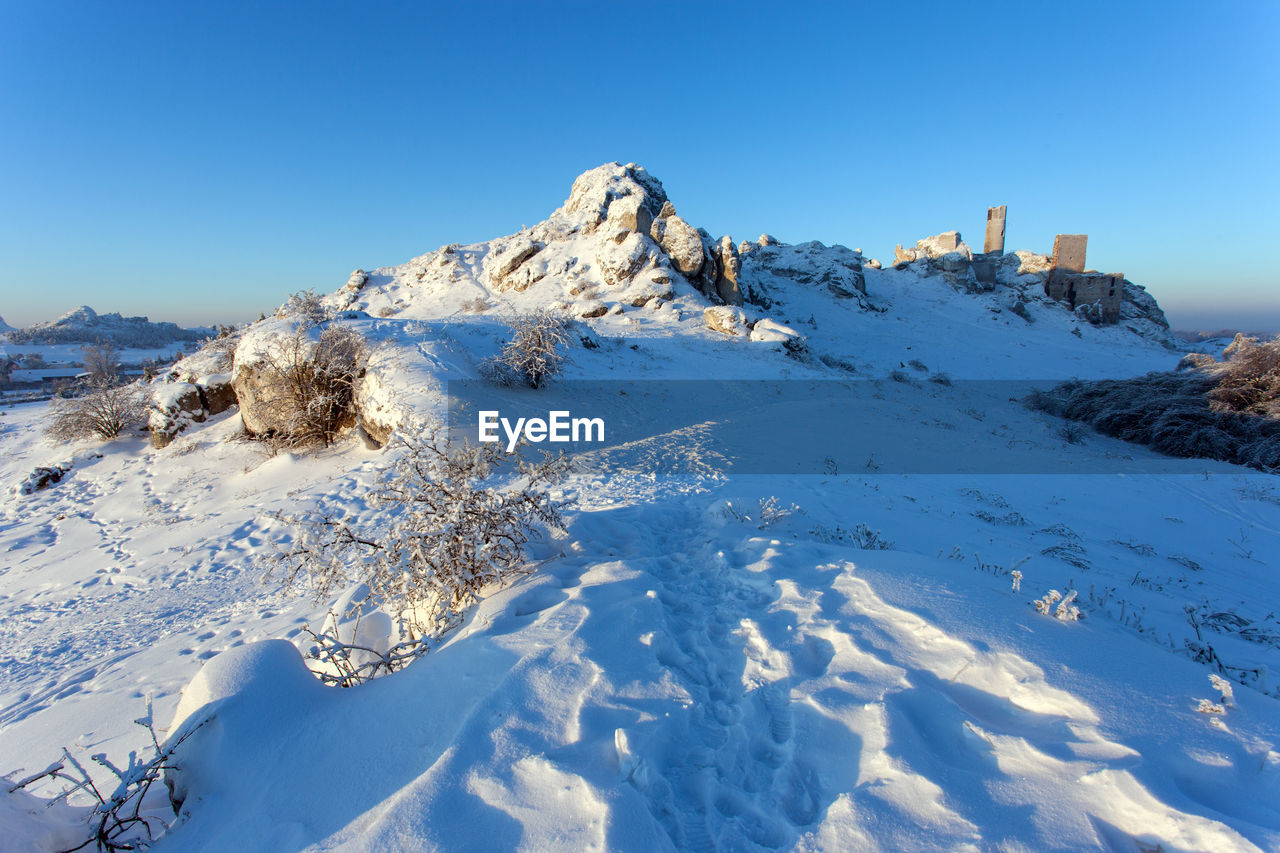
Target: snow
point(707, 658)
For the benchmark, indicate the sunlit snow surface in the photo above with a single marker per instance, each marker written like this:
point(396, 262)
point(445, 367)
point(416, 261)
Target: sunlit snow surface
point(677, 673)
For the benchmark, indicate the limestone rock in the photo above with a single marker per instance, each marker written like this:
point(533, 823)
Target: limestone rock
point(590, 310)
point(358, 279)
point(641, 292)
point(174, 407)
point(374, 411)
point(217, 393)
point(837, 268)
point(1196, 361)
point(619, 260)
point(725, 319)
point(1137, 304)
point(706, 278)
point(498, 267)
point(630, 213)
point(595, 193)
point(729, 269)
point(681, 242)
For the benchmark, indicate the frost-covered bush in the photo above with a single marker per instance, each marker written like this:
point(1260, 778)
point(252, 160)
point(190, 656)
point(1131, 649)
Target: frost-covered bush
point(121, 816)
point(1250, 381)
point(1055, 604)
point(311, 385)
point(535, 352)
point(308, 307)
point(453, 520)
point(1177, 413)
point(101, 409)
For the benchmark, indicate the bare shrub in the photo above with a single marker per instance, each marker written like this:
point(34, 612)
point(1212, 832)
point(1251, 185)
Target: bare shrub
point(455, 520)
point(101, 410)
point(1072, 433)
point(101, 362)
point(536, 349)
point(311, 385)
point(1250, 381)
point(116, 819)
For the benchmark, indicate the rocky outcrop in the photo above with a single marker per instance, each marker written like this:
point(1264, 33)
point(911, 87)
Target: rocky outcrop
point(728, 271)
point(836, 268)
point(626, 197)
point(500, 266)
point(622, 257)
point(217, 393)
point(176, 406)
point(1137, 304)
point(679, 241)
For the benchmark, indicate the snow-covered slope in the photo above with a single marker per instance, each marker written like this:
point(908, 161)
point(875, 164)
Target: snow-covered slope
point(692, 665)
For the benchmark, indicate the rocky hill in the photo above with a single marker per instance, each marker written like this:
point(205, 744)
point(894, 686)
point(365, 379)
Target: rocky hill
point(618, 259)
point(86, 326)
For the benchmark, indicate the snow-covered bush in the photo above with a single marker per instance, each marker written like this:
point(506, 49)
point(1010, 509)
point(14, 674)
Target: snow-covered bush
point(454, 520)
point(1060, 607)
point(311, 384)
point(861, 536)
point(1250, 381)
point(1178, 414)
point(535, 352)
point(102, 410)
point(308, 307)
point(121, 817)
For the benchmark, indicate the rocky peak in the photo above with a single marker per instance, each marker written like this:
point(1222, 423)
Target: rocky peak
point(625, 196)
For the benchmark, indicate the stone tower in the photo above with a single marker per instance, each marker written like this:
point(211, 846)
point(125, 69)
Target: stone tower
point(994, 244)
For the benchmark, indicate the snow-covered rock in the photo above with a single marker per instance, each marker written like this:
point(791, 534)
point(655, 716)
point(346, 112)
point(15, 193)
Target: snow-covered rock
point(500, 265)
point(771, 331)
point(836, 268)
point(617, 194)
point(726, 319)
point(680, 241)
point(624, 255)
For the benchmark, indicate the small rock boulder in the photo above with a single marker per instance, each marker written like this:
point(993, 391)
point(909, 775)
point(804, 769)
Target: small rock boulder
point(726, 319)
point(771, 331)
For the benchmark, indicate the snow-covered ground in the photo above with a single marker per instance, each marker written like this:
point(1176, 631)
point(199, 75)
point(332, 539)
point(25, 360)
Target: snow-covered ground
point(705, 659)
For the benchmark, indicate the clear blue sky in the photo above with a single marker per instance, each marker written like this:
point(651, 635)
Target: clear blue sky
point(198, 161)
